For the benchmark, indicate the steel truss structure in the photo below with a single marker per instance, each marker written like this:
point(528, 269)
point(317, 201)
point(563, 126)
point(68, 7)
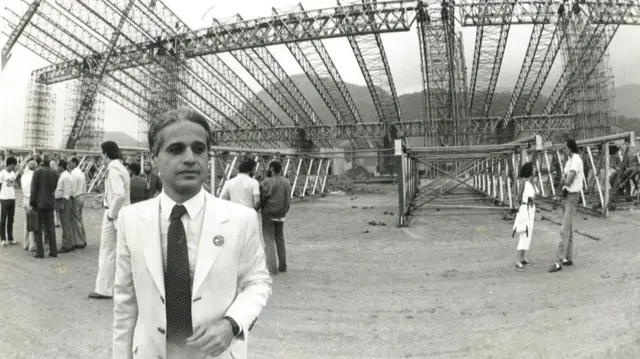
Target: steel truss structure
point(489, 171)
point(39, 115)
point(143, 57)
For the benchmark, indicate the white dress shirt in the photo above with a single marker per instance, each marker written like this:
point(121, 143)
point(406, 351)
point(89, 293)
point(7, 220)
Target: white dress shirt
point(241, 189)
point(64, 186)
point(78, 182)
point(25, 183)
point(192, 222)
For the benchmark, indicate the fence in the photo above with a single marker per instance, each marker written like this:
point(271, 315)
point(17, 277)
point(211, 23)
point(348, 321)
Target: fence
point(611, 167)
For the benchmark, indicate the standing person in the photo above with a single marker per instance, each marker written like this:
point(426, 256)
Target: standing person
point(25, 184)
point(78, 189)
point(7, 201)
point(191, 275)
point(527, 205)
point(43, 186)
point(138, 184)
point(63, 206)
point(116, 195)
point(243, 188)
point(54, 166)
point(572, 181)
point(275, 193)
point(154, 183)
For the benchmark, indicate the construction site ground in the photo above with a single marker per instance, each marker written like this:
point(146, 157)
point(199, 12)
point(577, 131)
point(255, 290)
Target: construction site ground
point(445, 287)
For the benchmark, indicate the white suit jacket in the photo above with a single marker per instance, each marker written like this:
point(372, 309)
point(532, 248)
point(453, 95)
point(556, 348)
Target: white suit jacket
point(229, 280)
point(117, 185)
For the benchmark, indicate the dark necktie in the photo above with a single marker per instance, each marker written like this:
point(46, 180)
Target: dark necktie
point(177, 280)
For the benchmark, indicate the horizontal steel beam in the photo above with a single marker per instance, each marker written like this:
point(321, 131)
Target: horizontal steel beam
point(377, 130)
point(476, 13)
point(345, 131)
point(340, 21)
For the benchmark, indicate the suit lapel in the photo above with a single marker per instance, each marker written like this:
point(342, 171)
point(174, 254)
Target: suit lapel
point(212, 226)
point(149, 228)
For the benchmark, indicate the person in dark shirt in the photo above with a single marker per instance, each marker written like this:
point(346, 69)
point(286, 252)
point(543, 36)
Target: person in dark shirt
point(275, 197)
point(138, 184)
point(42, 200)
point(154, 183)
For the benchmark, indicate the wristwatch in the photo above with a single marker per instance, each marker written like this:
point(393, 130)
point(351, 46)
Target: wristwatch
point(235, 328)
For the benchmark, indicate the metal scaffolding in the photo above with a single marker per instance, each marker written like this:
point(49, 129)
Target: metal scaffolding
point(93, 133)
point(592, 98)
point(39, 115)
point(165, 93)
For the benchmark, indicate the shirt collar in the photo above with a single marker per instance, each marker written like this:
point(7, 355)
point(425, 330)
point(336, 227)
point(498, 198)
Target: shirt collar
point(194, 205)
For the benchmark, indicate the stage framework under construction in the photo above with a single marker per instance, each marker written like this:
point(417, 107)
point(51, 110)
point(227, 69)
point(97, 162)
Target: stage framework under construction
point(39, 115)
point(93, 134)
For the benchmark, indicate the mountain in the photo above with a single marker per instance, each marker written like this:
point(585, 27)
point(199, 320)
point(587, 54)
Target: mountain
point(121, 138)
point(628, 100)
point(627, 104)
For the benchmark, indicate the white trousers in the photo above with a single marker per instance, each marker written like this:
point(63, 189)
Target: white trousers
point(107, 258)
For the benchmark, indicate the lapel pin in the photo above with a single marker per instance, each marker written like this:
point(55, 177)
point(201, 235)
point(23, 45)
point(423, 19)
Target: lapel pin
point(218, 240)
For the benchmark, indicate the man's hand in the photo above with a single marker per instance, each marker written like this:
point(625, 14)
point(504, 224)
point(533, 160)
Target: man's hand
point(213, 339)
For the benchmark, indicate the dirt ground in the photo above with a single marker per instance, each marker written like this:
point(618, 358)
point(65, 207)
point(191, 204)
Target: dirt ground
point(442, 288)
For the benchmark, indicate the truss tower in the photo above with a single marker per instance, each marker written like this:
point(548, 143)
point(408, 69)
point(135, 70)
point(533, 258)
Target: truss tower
point(166, 91)
point(39, 115)
point(93, 133)
point(592, 100)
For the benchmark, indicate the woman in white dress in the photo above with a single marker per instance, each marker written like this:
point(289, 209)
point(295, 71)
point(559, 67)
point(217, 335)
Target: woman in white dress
point(527, 200)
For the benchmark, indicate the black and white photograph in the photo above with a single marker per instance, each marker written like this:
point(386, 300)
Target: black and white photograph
point(319, 179)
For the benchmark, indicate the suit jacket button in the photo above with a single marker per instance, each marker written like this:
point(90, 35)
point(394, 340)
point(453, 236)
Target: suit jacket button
point(161, 330)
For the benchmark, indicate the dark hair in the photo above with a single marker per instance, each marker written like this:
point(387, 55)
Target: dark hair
point(110, 149)
point(276, 165)
point(526, 170)
point(247, 166)
point(11, 161)
point(38, 159)
point(170, 117)
point(573, 146)
point(135, 168)
point(75, 161)
point(62, 164)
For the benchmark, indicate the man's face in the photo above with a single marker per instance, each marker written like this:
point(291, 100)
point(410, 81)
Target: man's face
point(183, 159)
point(147, 167)
point(71, 166)
point(10, 168)
point(567, 152)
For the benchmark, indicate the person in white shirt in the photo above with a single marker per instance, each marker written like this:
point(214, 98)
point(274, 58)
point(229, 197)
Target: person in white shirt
point(78, 189)
point(25, 184)
point(63, 206)
point(117, 194)
point(243, 188)
point(7, 201)
point(572, 182)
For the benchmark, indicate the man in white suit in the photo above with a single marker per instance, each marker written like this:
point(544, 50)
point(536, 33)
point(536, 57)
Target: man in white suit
point(191, 275)
point(116, 195)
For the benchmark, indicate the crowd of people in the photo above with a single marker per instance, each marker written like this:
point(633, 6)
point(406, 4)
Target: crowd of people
point(242, 231)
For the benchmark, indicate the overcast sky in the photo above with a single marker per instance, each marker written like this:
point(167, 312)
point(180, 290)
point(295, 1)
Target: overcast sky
point(401, 49)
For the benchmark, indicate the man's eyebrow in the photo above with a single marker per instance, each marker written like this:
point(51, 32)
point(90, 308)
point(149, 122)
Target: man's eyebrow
point(196, 142)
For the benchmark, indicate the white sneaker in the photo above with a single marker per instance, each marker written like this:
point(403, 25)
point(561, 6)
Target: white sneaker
point(3, 243)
